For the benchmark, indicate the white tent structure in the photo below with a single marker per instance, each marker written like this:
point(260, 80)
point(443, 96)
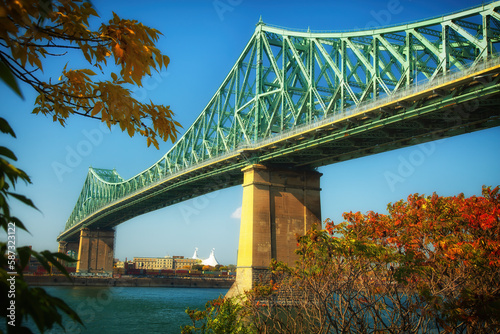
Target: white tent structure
point(195, 255)
point(211, 261)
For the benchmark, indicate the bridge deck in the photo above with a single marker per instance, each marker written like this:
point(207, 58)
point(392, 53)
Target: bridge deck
point(456, 104)
point(298, 99)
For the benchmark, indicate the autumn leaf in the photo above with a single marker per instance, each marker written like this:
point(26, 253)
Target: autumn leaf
point(118, 51)
point(97, 109)
point(75, 93)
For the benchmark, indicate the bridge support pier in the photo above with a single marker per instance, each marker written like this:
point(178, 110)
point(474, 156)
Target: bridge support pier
point(96, 250)
point(69, 248)
point(277, 205)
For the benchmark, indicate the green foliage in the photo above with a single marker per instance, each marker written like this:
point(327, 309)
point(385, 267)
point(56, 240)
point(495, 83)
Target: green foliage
point(7, 77)
point(30, 31)
point(220, 316)
point(30, 302)
point(197, 267)
point(9, 176)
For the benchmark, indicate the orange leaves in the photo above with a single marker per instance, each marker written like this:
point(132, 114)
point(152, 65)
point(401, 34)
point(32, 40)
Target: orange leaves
point(65, 27)
point(434, 231)
point(330, 226)
point(133, 48)
point(75, 91)
point(165, 61)
point(116, 106)
point(437, 232)
point(97, 109)
point(487, 221)
point(118, 51)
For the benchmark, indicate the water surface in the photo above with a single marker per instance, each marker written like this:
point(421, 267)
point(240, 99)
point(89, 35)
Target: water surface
point(131, 309)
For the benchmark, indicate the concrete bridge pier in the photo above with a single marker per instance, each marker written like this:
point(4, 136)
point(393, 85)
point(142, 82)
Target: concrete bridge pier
point(277, 206)
point(95, 251)
point(65, 247)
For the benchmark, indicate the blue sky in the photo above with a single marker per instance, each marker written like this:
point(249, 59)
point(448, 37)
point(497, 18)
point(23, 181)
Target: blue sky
point(203, 40)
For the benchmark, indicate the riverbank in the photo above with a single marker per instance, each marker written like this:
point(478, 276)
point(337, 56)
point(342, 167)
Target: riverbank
point(178, 282)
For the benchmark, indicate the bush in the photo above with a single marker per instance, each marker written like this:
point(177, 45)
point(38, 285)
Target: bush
point(431, 264)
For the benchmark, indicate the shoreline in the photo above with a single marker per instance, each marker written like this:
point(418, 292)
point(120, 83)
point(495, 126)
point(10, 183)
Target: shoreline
point(177, 282)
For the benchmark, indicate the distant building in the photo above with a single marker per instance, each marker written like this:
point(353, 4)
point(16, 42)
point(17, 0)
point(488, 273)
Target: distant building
point(182, 263)
point(166, 262)
point(155, 263)
point(119, 264)
point(161, 263)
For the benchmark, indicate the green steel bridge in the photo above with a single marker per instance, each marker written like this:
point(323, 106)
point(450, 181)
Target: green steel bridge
point(304, 99)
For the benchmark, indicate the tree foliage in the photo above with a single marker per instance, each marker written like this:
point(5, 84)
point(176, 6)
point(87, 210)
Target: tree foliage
point(35, 303)
point(33, 30)
point(220, 316)
point(430, 265)
point(450, 252)
point(30, 32)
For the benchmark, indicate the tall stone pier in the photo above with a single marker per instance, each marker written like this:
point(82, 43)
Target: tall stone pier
point(277, 206)
point(68, 247)
point(96, 250)
point(65, 247)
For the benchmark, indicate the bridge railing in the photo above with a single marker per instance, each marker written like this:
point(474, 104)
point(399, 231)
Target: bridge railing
point(414, 88)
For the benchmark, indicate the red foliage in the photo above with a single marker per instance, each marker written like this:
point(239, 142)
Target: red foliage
point(448, 246)
point(458, 229)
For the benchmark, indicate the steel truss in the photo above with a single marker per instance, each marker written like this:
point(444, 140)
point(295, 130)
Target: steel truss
point(285, 81)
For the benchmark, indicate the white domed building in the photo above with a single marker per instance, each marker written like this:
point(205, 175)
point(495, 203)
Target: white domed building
point(211, 261)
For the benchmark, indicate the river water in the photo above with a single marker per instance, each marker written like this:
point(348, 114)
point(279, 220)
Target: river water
point(131, 309)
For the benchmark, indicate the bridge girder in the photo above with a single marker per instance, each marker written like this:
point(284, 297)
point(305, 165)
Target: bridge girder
point(285, 81)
